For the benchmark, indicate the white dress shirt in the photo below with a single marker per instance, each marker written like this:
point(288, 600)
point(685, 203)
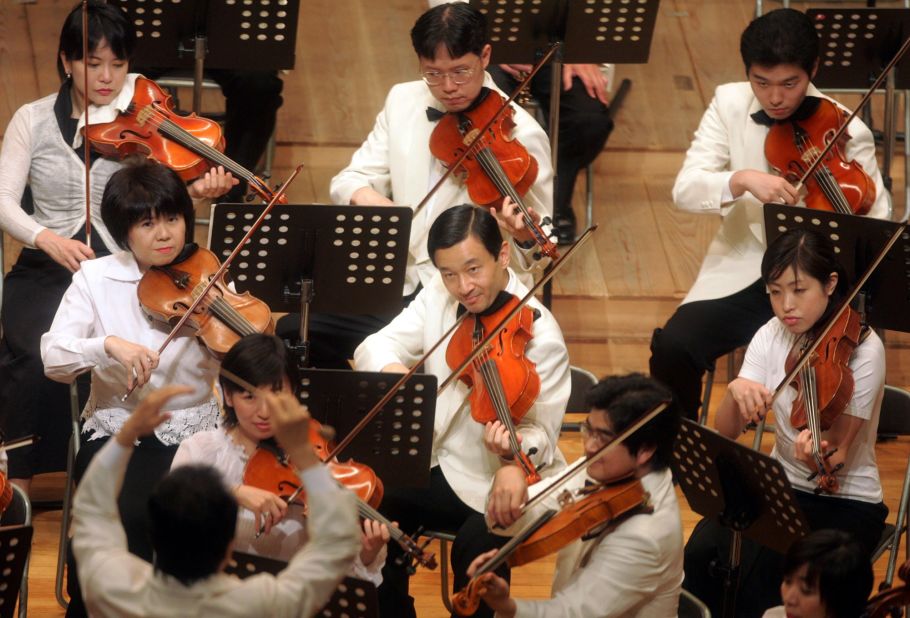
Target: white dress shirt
point(395, 161)
point(728, 140)
point(217, 449)
point(102, 301)
point(457, 438)
point(633, 569)
point(118, 584)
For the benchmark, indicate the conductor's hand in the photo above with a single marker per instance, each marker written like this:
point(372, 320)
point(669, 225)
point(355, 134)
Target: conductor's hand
point(765, 187)
point(509, 493)
point(65, 251)
point(138, 360)
point(752, 399)
point(511, 220)
point(291, 422)
point(148, 415)
point(492, 588)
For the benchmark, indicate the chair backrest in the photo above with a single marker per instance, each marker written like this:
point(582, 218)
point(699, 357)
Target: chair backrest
point(895, 415)
point(582, 381)
point(691, 607)
point(19, 512)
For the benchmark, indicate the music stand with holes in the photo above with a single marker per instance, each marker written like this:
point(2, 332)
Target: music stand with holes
point(747, 491)
point(15, 545)
point(254, 35)
point(398, 443)
point(857, 240)
point(354, 598)
point(347, 260)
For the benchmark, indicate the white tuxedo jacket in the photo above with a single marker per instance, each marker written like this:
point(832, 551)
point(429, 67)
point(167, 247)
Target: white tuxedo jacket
point(728, 140)
point(457, 438)
point(395, 160)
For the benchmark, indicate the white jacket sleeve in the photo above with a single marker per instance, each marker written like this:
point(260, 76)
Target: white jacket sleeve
point(401, 341)
point(369, 167)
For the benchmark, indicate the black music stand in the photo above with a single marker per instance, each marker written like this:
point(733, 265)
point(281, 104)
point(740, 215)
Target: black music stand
point(747, 491)
point(216, 34)
point(354, 598)
point(15, 544)
point(857, 240)
point(347, 260)
point(856, 44)
point(398, 442)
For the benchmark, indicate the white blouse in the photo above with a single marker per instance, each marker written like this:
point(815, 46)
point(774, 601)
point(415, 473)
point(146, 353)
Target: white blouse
point(217, 449)
point(102, 301)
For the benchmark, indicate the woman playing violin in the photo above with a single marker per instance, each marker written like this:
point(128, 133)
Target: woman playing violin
point(100, 327)
point(474, 275)
point(630, 567)
point(804, 282)
point(262, 360)
point(42, 205)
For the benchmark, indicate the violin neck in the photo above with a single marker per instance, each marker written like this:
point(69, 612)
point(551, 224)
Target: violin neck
point(190, 142)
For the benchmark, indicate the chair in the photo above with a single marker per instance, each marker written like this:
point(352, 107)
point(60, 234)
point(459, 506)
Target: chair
point(709, 385)
point(68, 494)
point(691, 607)
point(444, 539)
point(19, 513)
point(894, 421)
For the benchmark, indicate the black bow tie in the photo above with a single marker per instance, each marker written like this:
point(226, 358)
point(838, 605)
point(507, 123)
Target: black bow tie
point(805, 109)
point(434, 114)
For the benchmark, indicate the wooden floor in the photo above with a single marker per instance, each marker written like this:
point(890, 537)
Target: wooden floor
point(628, 281)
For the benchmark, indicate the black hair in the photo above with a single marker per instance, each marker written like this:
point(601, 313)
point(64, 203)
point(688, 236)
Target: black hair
point(782, 36)
point(810, 253)
point(192, 517)
point(140, 190)
point(625, 399)
point(105, 21)
point(836, 565)
point(457, 25)
point(455, 224)
point(260, 360)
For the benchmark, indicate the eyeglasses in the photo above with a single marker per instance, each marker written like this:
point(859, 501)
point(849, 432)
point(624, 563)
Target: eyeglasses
point(459, 77)
point(601, 437)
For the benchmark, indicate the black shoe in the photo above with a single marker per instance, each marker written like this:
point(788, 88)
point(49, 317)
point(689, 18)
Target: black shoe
point(564, 227)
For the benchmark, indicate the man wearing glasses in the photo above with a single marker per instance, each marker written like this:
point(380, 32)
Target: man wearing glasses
point(394, 164)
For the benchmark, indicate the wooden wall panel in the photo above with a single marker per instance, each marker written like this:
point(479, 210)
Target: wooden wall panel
point(18, 83)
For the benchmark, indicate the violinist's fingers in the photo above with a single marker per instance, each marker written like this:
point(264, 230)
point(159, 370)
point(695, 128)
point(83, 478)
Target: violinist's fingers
point(479, 561)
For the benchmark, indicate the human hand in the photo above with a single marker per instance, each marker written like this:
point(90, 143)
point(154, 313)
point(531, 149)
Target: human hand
point(65, 251)
point(367, 196)
point(492, 588)
point(511, 220)
point(508, 495)
point(752, 399)
point(765, 187)
point(215, 183)
point(375, 536)
point(395, 368)
point(516, 70)
point(267, 507)
point(291, 424)
point(148, 415)
point(138, 360)
point(496, 439)
point(591, 76)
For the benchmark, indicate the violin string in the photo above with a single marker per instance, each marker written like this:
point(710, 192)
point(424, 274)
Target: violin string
point(194, 144)
point(825, 178)
point(495, 390)
point(227, 314)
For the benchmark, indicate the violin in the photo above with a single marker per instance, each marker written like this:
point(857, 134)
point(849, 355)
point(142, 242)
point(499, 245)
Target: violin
point(888, 602)
point(269, 469)
point(835, 184)
point(497, 165)
point(189, 145)
point(600, 506)
point(824, 388)
point(165, 293)
point(6, 487)
point(504, 382)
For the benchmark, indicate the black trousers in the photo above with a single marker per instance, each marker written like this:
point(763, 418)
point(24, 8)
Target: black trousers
point(150, 462)
point(31, 403)
point(252, 99)
point(698, 333)
point(761, 569)
point(434, 508)
point(584, 125)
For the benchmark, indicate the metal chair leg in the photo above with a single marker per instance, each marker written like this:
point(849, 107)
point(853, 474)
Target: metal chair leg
point(69, 490)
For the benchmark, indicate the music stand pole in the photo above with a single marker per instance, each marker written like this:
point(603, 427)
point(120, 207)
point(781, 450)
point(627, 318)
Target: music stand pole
point(198, 70)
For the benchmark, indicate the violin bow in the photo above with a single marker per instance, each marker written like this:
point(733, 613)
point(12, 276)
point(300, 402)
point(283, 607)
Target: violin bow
point(86, 147)
point(806, 354)
point(555, 266)
point(470, 149)
point(843, 128)
point(223, 268)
